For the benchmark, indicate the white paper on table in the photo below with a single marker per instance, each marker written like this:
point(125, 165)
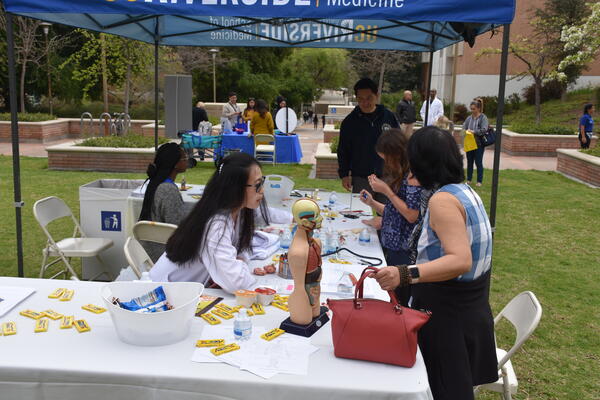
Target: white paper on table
point(11, 296)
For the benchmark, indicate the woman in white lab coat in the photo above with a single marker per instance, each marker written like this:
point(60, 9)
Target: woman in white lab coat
point(213, 243)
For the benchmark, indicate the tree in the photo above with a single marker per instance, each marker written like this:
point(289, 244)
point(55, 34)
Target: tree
point(30, 47)
point(325, 68)
point(582, 41)
point(376, 63)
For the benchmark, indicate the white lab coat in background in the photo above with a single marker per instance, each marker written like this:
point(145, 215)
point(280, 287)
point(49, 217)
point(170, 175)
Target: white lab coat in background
point(218, 259)
point(436, 110)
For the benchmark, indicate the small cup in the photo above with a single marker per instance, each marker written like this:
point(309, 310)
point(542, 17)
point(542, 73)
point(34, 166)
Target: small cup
point(265, 295)
point(245, 298)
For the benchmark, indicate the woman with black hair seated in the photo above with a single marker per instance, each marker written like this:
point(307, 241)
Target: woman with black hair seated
point(451, 276)
point(213, 243)
point(162, 200)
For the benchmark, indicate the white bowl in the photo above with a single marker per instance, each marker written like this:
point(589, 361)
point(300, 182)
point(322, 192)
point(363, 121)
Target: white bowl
point(153, 329)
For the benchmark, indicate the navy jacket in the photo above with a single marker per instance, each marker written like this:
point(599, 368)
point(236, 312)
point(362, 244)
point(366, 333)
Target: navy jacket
point(358, 135)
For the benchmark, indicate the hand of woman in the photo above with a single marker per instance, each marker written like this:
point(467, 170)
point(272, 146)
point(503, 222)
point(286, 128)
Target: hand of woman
point(366, 197)
point(378, 185)
point(388, 278)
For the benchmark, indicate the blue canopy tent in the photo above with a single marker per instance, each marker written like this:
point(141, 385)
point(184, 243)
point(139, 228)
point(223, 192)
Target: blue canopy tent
point(409, 25)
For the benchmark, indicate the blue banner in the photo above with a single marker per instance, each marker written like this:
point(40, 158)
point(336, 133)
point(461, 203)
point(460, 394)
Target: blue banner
point(492, 12)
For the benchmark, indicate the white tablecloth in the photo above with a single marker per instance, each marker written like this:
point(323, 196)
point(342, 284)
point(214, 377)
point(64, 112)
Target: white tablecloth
point(64, 364)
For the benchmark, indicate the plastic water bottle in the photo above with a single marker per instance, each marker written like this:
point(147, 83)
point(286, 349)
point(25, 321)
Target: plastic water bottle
point(365, 237)
point(242, 326)
point(316, 234)
point(286, 239)
point(332, 199)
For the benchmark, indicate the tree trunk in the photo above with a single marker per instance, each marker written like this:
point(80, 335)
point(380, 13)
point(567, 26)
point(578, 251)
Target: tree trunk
point(538, 101)
point(23, 72)
point(380, 87)
point(127, 85)
point(104, 81)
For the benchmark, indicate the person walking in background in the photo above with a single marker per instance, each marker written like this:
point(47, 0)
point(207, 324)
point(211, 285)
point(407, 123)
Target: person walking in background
point(316, 121)
point(323, 120)
point(231, 112)
point(262, 120)
point(406, 113)
point(249, 110)
point(436, 108)
point(198, 115)
point(477, 123)
point(357, 158)
point(586, 126)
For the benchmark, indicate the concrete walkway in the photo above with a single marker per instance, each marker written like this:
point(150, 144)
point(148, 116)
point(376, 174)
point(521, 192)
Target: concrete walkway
point(310, 138)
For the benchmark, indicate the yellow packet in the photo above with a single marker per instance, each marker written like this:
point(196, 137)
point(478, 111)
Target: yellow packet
point(67, 295)
point(52, 314)
point(217, 351)
point(81, 325)
point(67, 322)
point(9, 328)
point(272, 334)
point(210, 343)
point(222, 314)
point(225, 308)
point(31, 314)
point(93, 308)
point(210, 319)
point(57, 293)
point(281, 306)
point(258, 309)
point(41, 325)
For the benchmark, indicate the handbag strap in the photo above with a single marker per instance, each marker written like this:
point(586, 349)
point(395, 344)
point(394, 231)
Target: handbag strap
point(358, 289)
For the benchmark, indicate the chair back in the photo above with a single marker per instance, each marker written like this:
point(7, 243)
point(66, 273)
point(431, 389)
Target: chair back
point(137, 257)
point(157, 232)
point(277, 187)
point(263, 138)
point(50, 209)
point(524, 312)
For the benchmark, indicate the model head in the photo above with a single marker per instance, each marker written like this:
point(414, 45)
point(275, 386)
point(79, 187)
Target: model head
point(307, 213)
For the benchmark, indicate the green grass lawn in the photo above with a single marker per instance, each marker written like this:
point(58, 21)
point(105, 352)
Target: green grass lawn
point(545, 242)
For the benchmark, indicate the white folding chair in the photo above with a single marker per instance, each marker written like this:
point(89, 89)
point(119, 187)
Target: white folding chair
point(136, 256)
point(277, 187)
point(156, 232)
point(524, 313)
point(264, 147)
point(51, 209)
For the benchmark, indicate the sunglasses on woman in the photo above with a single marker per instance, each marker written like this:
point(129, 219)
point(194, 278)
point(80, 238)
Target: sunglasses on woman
point(258, 185)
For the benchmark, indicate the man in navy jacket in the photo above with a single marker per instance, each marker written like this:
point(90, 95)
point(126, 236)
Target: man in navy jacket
point(357, 158)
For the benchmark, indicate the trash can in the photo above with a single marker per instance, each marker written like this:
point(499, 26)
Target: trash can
point(102, 212)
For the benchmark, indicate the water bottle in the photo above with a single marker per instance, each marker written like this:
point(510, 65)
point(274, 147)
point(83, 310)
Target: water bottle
point(286, 239)
point(332, 199)
point(365, 237)
point(242, 326)
point(316, 234)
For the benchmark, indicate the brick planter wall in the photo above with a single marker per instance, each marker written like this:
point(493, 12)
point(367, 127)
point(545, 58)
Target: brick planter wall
point(576, 164)
point(517, 144)
point(74, 158)
point(327, 165)
point(75, 127)
point(44, 131)
point(329, 133)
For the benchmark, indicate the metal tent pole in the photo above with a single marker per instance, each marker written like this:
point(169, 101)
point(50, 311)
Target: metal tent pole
point(156, 108)
point(429, 74)
point(499, 117)
point(14, 125)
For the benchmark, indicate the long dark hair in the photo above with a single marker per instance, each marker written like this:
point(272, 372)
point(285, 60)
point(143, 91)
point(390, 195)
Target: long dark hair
point(261, 107)
point(587, 108)
point(167, 156)
point(248, 104)
point(393, 143)
point(224, 193)
point(434, 158)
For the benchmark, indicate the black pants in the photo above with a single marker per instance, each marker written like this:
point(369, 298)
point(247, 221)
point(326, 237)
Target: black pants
point(475, 156)
point(586, 144)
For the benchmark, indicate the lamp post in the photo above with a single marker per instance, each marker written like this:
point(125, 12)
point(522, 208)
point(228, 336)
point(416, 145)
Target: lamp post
point(214, 56)
point(46, 27)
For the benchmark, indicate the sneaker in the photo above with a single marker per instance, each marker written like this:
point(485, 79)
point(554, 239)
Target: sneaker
point(478, 184)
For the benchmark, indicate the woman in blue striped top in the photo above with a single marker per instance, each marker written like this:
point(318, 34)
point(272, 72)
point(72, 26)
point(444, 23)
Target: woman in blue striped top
point(452, 273)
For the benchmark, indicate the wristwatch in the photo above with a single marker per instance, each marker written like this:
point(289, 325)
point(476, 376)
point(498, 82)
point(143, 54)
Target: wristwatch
point(414, 274)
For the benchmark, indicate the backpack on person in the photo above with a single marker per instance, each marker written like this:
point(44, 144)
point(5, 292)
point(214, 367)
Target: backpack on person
point(205, 128)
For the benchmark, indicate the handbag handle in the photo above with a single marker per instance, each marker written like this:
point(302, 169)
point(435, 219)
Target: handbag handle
point(358, 289)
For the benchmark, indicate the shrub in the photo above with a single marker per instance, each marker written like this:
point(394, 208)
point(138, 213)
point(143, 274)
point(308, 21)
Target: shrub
point(592, 152)
point(461, 112)
point(28, 117)
point(129, 140)
point(514, 101)
point(337, 125)
point(335, 142)
point(550, 90)
point(541, 129)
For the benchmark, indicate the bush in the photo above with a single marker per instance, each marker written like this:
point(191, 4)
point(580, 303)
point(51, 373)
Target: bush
point(335, 142)
point(28, 117)
point(550, 90)
point(542, 129)
point(337, 125)
point(461, 112)
point(129, 140)
point(592, 152)
point(513, 102)
point(75, 109)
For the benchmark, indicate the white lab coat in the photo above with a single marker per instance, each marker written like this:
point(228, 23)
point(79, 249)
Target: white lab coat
point(436, 110)
point(218, 260)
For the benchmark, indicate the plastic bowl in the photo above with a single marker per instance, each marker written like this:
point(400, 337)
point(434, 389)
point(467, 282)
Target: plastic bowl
point(153, 329)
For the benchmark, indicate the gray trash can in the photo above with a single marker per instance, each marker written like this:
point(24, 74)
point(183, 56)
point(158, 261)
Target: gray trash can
point(102, 212)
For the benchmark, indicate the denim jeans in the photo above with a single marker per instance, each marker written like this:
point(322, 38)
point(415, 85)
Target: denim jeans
point(475, 156)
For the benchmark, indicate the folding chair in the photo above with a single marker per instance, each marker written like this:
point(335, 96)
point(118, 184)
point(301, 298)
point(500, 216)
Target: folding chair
point(156, 232)
point(264, 147)
point(52, 208)
point(524, 313)
point(137, 257)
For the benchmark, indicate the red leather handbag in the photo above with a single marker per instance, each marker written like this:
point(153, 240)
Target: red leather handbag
point(375, 330)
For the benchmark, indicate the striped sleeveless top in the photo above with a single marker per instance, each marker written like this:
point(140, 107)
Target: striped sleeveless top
point(479, 232)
